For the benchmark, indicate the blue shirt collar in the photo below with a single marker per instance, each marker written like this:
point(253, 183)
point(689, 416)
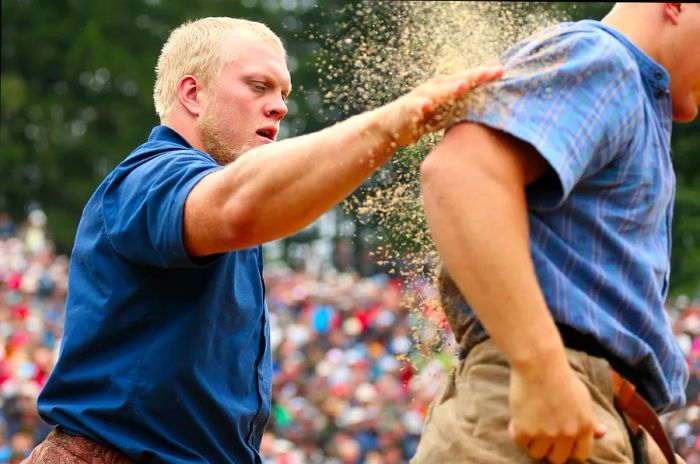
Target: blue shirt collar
point(650, 69)
point(655, 78)
point(166, 134)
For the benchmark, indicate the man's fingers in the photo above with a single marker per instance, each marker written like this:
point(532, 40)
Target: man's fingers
point(561, 451)
point(540, 448)
point(464, 81)
point(599, 430)
point(519, 438)
point(471, 79)
point(583, 447)
point(444, 88)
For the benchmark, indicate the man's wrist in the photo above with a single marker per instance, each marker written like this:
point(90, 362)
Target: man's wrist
point(379, 126)
point(543, 356)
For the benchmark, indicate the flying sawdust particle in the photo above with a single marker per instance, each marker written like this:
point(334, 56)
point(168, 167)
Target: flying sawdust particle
point(379, 51)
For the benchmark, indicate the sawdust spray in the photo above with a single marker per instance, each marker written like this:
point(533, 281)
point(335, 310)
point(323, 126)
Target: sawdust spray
point(379, 51)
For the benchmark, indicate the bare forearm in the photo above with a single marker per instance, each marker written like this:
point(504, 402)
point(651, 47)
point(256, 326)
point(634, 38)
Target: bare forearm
point(287, 185)
point(476, 207)
point(476, 210)
point(277, 189)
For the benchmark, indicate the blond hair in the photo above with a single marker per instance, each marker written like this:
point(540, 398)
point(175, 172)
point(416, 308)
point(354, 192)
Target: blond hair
point(196, 48)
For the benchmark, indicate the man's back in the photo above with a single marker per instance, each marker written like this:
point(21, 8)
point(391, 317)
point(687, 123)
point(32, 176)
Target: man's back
point(597, 109)
point(551, 207)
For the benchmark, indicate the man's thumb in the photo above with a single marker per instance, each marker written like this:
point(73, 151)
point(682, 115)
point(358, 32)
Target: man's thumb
point(426, 105)
point(599, 430)
point(511, 430)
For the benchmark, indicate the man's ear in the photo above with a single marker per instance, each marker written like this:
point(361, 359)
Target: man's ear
point(672, 11)
point(189, 94)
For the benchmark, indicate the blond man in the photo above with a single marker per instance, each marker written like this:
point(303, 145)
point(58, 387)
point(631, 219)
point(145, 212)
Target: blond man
point(166, 353)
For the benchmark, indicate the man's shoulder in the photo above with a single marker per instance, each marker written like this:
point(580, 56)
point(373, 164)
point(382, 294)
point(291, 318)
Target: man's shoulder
point(156, 159)
point(151, 164)
point(583, 42)
point(159, 154)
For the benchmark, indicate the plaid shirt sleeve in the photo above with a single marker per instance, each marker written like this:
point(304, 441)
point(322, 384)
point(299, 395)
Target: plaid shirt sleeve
point(565, 94)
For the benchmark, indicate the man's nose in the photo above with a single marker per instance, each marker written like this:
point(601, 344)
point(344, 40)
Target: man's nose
point(276, 109)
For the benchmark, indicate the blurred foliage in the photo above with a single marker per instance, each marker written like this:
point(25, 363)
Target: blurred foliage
point(76, 88)
point(77, 79)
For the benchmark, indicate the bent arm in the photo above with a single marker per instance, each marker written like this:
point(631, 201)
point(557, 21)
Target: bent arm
point(277, 189)
point(274, 190)
point(474, 193)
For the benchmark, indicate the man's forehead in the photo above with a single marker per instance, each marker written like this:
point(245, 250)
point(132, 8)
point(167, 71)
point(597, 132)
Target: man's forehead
point(255, 54)
point(246, 43)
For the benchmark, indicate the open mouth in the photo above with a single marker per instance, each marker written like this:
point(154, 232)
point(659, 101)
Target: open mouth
point(267, 132)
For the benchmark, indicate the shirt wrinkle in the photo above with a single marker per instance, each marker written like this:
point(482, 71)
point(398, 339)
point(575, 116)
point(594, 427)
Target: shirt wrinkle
point(584, 97)
point(136, 369)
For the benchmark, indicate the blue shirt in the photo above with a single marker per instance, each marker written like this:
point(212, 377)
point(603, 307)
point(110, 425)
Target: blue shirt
point(599, 111)
point(164, 357)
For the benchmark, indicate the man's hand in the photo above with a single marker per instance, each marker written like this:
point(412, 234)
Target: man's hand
point(432, 105)
point(552, 415)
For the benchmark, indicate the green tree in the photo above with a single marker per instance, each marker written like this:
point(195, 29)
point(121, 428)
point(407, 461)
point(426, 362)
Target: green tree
point(76, 80)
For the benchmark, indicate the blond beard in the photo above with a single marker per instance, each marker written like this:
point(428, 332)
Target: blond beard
point(213, 139)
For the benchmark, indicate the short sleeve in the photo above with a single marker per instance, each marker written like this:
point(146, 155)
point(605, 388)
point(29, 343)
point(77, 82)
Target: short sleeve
point(143, 208)
point(573, 95)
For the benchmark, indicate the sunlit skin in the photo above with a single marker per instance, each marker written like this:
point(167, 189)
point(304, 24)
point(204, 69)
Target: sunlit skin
point(668, 33)
point(244, 107)
point(684, 62)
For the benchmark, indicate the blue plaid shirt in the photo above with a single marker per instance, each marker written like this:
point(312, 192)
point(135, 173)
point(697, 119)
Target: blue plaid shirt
point(599, 111)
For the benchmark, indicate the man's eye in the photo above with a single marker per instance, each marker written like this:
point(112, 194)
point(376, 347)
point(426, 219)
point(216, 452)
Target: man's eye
point(258, 86)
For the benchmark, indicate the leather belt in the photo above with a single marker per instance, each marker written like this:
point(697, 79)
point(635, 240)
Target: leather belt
point(629, 401)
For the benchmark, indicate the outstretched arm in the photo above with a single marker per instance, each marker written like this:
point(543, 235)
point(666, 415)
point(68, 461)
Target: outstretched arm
point(277, 189)
point(474, 193)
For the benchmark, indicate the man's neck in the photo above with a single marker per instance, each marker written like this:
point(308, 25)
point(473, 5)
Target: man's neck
point(637, 30)
point(185, 128)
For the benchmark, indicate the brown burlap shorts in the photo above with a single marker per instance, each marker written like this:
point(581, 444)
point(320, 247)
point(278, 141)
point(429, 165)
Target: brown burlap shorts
point(467, 423)
point(61, 448)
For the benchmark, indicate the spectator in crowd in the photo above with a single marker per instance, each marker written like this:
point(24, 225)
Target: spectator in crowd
point(33, 282)
point(7, 226)
point(349, 382)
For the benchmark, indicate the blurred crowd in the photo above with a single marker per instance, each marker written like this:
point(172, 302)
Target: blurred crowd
point(349, 384)
point(33, 282)
point(354, 372)
point(684, 425)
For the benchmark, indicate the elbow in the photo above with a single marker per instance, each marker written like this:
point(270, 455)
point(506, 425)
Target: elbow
point(431, 171)
point(442, 182)
point(445, 172)
point(454, 164)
